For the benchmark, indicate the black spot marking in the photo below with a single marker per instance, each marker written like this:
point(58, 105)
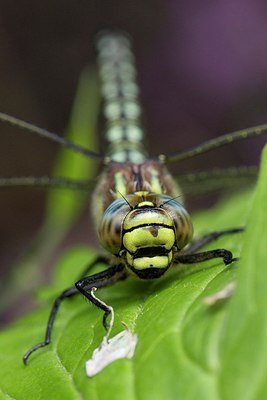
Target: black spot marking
point(154, 230)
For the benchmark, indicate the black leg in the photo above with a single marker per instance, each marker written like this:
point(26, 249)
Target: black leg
point(88, 285)
point(195, 246)
point(67, 293)
point(204, 256)
point(98, 260)
point(190, 257)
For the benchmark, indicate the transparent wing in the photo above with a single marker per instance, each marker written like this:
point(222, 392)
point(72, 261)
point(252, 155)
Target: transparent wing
point(206, 182)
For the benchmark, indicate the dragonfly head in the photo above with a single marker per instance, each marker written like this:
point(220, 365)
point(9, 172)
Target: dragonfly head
point(145, 230)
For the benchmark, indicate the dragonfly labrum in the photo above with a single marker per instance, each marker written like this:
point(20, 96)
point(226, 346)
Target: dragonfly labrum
point(138, 206)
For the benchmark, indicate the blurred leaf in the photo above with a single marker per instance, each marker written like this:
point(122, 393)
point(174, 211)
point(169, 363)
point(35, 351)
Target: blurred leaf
point(63, 206)
point(186, 349)
point(243, 343)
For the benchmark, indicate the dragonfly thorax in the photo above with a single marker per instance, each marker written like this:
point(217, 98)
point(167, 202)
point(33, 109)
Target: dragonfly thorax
point(145, 230)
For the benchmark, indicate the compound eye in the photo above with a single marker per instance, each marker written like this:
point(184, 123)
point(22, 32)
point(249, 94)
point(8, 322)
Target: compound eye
point(110, 228)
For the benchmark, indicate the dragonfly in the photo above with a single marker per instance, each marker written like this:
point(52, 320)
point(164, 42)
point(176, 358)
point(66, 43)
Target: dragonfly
point(139, 215)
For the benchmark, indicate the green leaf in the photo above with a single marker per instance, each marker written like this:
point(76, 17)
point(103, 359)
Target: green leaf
point(243, 344)
point(186, 349)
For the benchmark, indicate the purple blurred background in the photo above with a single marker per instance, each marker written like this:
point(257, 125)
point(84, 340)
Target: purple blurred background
point(202, 71)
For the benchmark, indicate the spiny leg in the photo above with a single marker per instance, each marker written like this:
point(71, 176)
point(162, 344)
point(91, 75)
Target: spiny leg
point(87, 286)
point(189, 257)
point(65, 294)
point(226, 255)
point(99, 260)
point(210, 237)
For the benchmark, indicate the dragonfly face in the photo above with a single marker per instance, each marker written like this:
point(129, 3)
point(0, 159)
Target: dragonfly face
point(145, 229)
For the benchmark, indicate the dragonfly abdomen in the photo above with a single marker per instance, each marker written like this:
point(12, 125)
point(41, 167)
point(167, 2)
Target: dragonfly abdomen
point(120, 93)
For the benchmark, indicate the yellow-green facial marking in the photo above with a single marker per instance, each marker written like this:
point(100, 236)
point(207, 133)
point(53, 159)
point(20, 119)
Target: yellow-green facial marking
point(145, 230)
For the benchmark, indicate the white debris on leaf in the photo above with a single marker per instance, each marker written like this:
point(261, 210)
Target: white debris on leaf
point(225, 293)
point(120, 346)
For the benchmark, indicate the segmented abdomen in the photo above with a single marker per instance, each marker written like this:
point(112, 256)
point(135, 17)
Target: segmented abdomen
point(120, 94)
